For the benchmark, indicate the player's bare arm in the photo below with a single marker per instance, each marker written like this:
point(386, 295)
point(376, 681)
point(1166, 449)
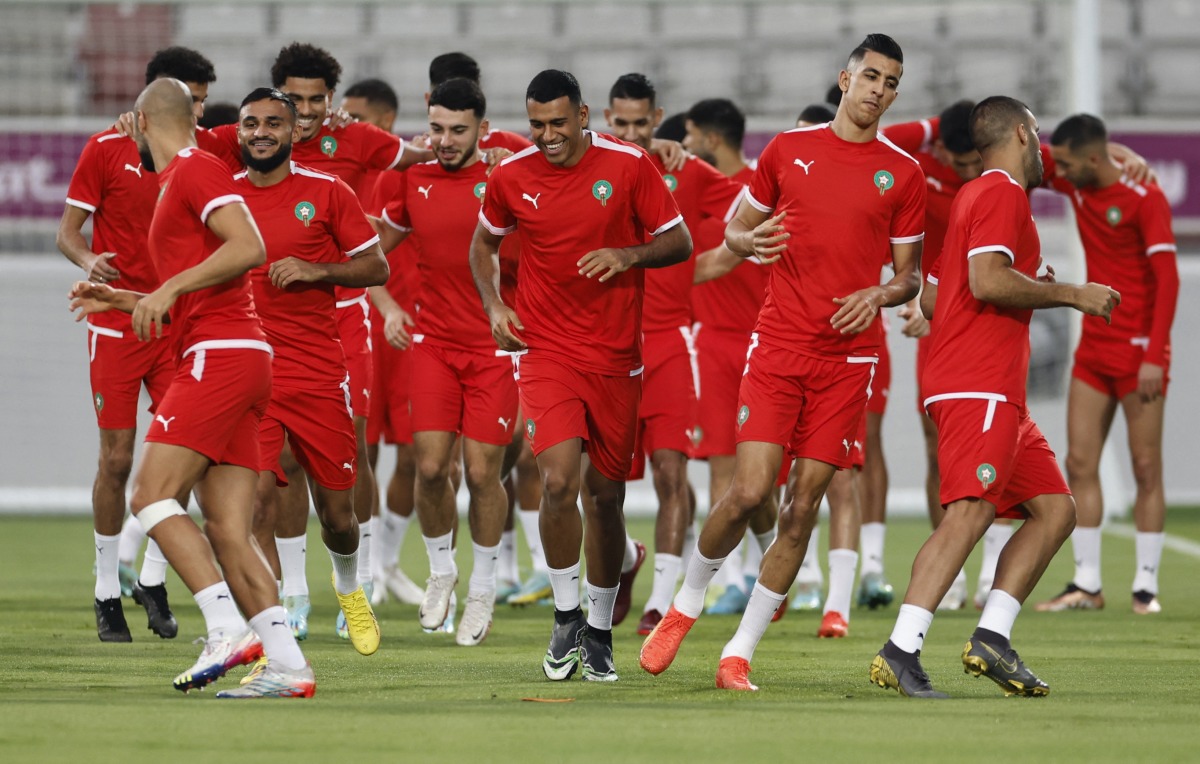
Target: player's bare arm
point(754, 233)
point(485, 270)
point(365, 269)
point(928, 299)
point(396, 320)
point(1133, 165)
point(88, 297)
point(72, 243)
point(915, 323)
point(671, 246)
point(714, 264)
point(389, 236)
point(993, 280)
point(858, 311)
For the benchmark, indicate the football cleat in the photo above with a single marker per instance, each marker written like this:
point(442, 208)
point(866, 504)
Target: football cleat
point(298, 607)
point(1002, 666)
point(807, 596)
point(533, 591)
point(361, 623)
point(1145, 603)
point(340, 626)
point(562, 656)
point(596, 655)
point(477, 620)
point(874, 591)
point(894, 669)
point(733, 673)
point(275, 681)
point(506, 589)
point(659, 649)
point(435, 607)
point(649, 620)
point(956, 596)
point(625, 589)
point(110, 621)
point(732, 601)
point(220, 654)
point(255, 670)
point(128, 576)
point(833, 626)
point(1072, 598)
point(159, 618)
point(981, 595)
point(401, 586)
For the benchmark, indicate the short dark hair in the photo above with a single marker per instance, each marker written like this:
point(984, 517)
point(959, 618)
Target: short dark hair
point(634, 87)
point(217, 114)
point(720, 116)
point(878, 43)
point(954, 127)
point(376, 91)
point(460, 94)
point(1079, 130)
point(181, 63)
point(270, 94)
point(551, 84)
point(673, 128)
point(992, 120)
point(449, 66)
point(833, 96)
point(306, 62)
point(816, 113)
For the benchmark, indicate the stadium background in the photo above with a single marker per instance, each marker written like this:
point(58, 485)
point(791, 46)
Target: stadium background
point(69, 68)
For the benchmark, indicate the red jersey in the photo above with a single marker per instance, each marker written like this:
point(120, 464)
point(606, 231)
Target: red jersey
point(732, 302)
point(219, 146)
point(402, 283)
point(1128, 244)
point(613, 197)
point(702, 193)
point(195, 184)
point(110, 183)
point(503, 139)
point(316, 218)
point(980, 350)
point(845, 203)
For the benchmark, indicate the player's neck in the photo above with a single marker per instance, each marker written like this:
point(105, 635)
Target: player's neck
point(272, 178)
point(584, 145)
point(846, 129)
point(730, 161)
point(1108, 173)
point(169, 145)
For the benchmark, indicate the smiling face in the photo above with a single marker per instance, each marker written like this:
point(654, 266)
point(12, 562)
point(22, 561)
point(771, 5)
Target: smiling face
point(557, 129)
point(633, 120)
point(266, 131)
point(312, 101)
point(454, 136)
point(870, 87)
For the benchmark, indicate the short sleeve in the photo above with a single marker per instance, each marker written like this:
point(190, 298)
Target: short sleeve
point(207, 185)
point(764, 186)
point(383, 149)
point(912, 137)
point(352, 231)
point(222, 142)
point(496, 214)
point(653, 204)
point(996, 219)
point(86, 190)
point(908, 222)
point(1154, 223)
point(719, 195)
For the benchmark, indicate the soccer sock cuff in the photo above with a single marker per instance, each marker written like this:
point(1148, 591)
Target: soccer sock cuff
point(1000, 613)
point(912, 624)
point(870, 540)
point(765, 539)
point(1149, 555)
point(108, 581)
point(345, 571)
point(565, 583)
point(483, 573)
point(1085, 542)
point(441, 554)
point(366, 529)
point(666, 574)
point(842, 563)
point(700, 572)
point(154, 566)
point(292, 556)
point(601, 601)
point(221, 616)
point(279, 645)
point(759, 610)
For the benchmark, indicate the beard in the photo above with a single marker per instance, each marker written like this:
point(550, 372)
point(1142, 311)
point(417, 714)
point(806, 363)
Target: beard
point(267, 164)
point(147, 159)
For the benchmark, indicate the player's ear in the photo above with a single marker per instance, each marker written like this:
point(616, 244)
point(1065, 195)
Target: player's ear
point(484, 127)
point(658, 116)
point(844, 81)
point(583, 114)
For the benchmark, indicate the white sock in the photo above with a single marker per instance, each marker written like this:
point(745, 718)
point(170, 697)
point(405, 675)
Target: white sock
point(279, 645)
point(993, 544)
point(731, 567)
point(842, 563)
point(666, 574)
point(293, 554)
point(751, 558)
point(759, 610)
point(483, 574)
point(345, 571)
point(366, 529)
point(154, 566)
point(810, 569)
point(441, 554)
point(765, 539)
point(602, 600)
point(870, 539)
point(1000, 613)
point(108, 583)
point(391, 536)
point(912, 624)
point(506, 566)
point(565, 583)
point(533, 539)
point(1085, 542)
point(700, 571)
point(131, 540)
point(1149, 555)
point(221, 616)
point(631, 554)
point(689, 544)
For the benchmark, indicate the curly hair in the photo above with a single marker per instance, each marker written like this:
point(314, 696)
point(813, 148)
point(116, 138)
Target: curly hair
point(305, 62)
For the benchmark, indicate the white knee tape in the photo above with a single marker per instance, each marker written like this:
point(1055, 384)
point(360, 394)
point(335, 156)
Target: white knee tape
point(153, 514)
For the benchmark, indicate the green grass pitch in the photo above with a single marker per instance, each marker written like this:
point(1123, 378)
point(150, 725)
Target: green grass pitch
point(1123, 687)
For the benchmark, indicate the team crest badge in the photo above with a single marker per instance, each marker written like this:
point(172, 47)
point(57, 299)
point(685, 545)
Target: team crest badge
point(329, 146)
point(986, 474)
point(603, 191)
point(696, 435)
point(671, 181)
point(743, 415)
point(479, 189)
point(530, 428)
point(883, 181)
point(98, 399)
point(305, 212)
point(1113, 216)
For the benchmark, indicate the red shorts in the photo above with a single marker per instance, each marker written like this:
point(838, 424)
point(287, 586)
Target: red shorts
point(320, 429)
point(354, 329)
point(722, 357)
point(993, 451)
point(560, 403)
point(811, 406)
point(464, 391)
point(923, 346)
point(881, 381)
point(668, 413)
point(390, 418)
point(214, 404)
point(1114, 374)
point(119, 364)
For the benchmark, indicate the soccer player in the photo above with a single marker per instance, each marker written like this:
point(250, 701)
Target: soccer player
point(461, 384)
point(1127, 241)
point(844, 196)
point(317, 237)
point(203, 241)
point(584, 203)
point(993, 458)
point(667, 427)
point(113, 187)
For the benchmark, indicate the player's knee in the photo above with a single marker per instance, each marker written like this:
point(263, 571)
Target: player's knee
point(796, 520)
point(744, 500)
point(561, 488)
point(432, 471)
point(1147, 472)
point(1081, 466)
point(116, 464)
point(482, 475)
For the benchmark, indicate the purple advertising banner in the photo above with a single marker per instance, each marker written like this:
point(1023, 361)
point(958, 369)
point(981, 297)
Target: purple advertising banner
point(35, 169)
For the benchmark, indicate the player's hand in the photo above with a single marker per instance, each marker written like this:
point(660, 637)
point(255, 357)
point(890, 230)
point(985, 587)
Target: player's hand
point(291, 270)
point(505, 326)
point(915, 323)
point(1048, 277)
point(857, 311)
point(151, 313)
point(1150, 382)
point(1097, 300)
point(125, 123)
point(100, 271)
point(494, 157)
point(607, 262)
point(339, 118)
point(672, 153)
point(769, 239)
point(395, 329)
point(88, 297)
point(1135, 167)
point(422, 142)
